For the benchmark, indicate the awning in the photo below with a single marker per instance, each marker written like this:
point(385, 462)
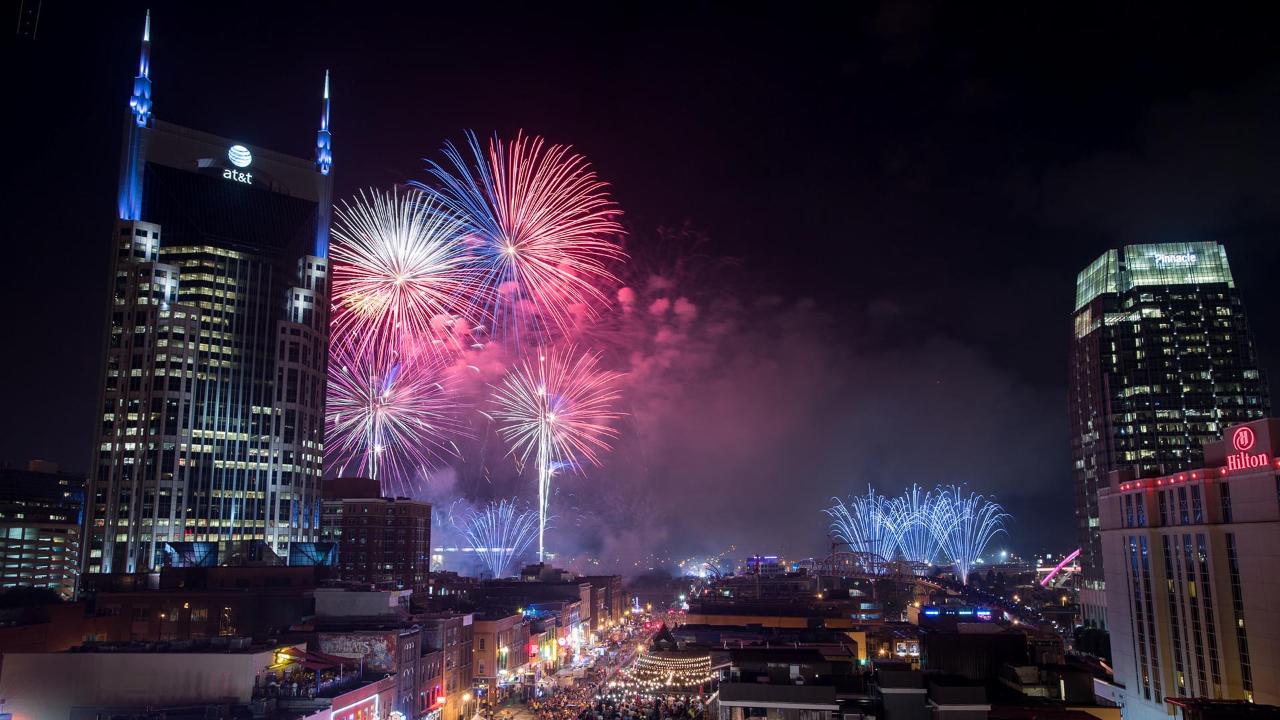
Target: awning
point(314, 660)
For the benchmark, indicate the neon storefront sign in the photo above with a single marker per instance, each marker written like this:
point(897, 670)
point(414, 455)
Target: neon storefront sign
point(366, 709)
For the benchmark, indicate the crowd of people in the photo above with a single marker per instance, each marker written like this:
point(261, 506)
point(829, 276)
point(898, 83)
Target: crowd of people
point(566, 701)
point(590, 698)
point(668, 708)
point(583, 701)
point(295, 682)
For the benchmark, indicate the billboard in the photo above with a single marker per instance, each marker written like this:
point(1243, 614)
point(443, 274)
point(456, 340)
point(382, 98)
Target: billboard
point(376, 649)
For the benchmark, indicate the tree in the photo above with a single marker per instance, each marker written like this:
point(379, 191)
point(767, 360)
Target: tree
point(28, 597)
point(1094, 641)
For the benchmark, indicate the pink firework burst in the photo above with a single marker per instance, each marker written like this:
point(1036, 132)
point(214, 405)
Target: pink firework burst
point(402, 277)
point(541, 225)
point(390, 417)
point(557, 409)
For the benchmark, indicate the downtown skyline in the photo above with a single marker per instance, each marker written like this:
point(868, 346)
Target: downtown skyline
point(838, 428)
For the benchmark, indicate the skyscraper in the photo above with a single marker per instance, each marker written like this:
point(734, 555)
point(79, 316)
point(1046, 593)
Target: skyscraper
point(1161, 361)
point(40, 526)
point(212, 412)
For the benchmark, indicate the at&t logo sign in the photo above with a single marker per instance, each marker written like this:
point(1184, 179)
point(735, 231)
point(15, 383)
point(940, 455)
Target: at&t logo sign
point(239, 156)
point(1243, 440)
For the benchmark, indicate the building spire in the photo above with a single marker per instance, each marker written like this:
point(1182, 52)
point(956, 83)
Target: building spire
point(140, 101)
point(130, 200)
point(324, 163)
point(324, 150)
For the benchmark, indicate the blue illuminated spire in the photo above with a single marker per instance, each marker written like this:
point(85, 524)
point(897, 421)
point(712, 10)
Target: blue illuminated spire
point(324, 149)
point(140, 101)
point(324, 163)
point(130, 200)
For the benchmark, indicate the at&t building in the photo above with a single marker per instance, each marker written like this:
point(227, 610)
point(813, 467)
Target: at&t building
point(212, 416)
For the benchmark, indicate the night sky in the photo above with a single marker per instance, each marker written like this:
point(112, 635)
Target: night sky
point(907, 189)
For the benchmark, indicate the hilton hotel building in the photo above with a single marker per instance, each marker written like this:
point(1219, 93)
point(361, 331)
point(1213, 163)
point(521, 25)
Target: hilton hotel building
point(211, 424)
point(1192, 563)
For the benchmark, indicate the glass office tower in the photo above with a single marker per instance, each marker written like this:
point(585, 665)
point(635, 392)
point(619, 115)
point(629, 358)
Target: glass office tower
point(1161, 361)
point(212, 415)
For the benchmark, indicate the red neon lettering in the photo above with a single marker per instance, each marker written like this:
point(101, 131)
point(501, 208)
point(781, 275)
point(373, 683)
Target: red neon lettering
point(1245, 461)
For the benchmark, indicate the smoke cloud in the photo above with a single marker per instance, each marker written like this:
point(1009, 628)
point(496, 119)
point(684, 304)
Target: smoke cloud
point(746, 413)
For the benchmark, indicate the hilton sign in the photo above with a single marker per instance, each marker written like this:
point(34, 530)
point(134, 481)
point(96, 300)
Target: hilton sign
point(1243, 440)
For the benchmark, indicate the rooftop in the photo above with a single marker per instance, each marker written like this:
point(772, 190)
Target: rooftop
point(791, 655)
point(220, 645)
point(893, 678)
point(755, 694)
point(1199, 707)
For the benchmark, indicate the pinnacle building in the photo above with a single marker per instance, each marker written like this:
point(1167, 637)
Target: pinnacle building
point(212, 413)
point(1162, 361)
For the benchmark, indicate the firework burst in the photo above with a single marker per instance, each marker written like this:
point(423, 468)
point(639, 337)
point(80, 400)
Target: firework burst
point(499, 533)
point(864, 524)
point(964, 525)
point(911, 517)
point(556, 409)
point(541, 225)
point(389, 417)
point(402, 276)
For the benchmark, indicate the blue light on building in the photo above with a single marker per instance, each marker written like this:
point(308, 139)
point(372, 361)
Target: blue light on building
point(324, 163)
point(130, 200)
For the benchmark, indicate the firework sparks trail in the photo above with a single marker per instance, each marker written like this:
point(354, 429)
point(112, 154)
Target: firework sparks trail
point(556, 409)
point(541, 225)
point(389, 417)
point(864, 524)
point(911, 519)
point(964, 525)
point(499, 533)
point(401, 274)
point(920, 526)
